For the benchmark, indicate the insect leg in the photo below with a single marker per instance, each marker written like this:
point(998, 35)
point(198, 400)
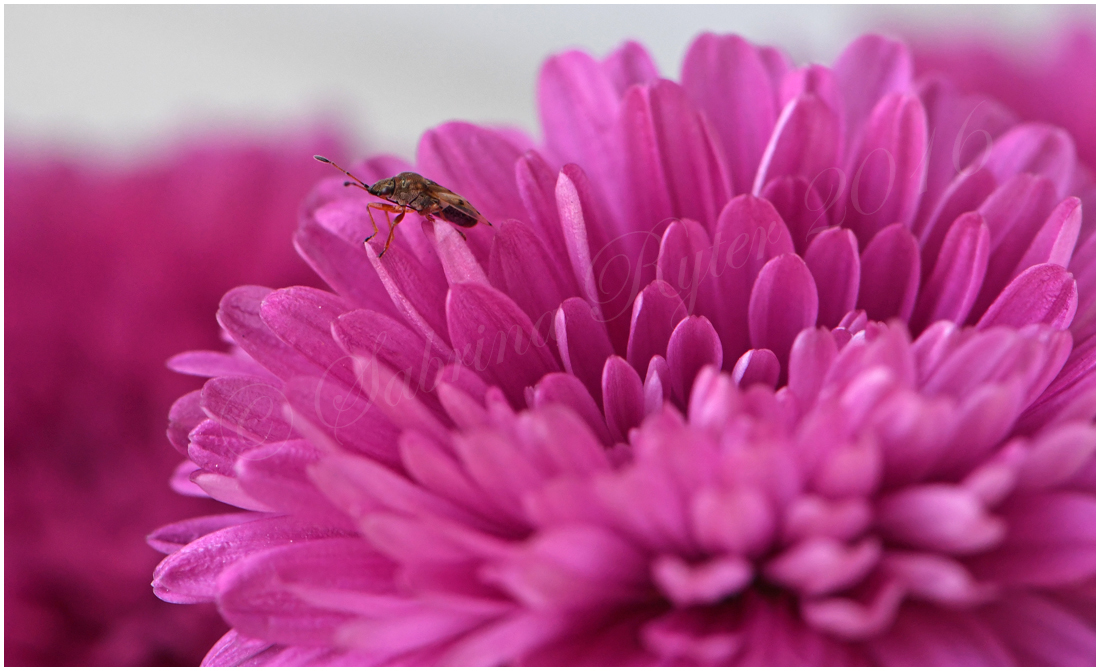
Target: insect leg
point(369, 214)
point(393, 229)
point(387, 208)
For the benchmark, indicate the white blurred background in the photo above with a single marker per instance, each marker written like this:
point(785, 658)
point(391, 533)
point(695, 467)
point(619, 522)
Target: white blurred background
point(116, 80)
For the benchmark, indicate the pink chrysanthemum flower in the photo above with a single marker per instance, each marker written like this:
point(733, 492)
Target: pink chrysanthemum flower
point(773, 366)
point(108, 271)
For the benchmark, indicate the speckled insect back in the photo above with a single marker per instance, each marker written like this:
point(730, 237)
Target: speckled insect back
point(410, 191)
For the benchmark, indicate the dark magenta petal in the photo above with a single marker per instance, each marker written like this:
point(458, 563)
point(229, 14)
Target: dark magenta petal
point(1043, 294)
point(962, 639)
point(536, 182)
point(657, 311)
point(749, 233)
point(965, 194)
point(833, 259)
point(190, 575)
point(890, 274)
point(250, 407)
point(801, 206)
point(265, 595)
point(1072, 394)
point(869, 69)
point(950, 291)
point(302, 317)
point(1042, 631)
point(185, 414)
point(1056, 239)
point(628, 65)
point(1034, 148)
point(692, 345)
point(239, 314)
point(756, 366)
point(567, 390)
point(477, 164)
point(494, 337)
point(577, 106)
point(805, 142)
point(811, 356)
point(1014, 213)
point(887, 171)
point(522, 267)
point(784, 301)
point(685, 261)
point(727, 79)
point(583, 344)
point(623, 400)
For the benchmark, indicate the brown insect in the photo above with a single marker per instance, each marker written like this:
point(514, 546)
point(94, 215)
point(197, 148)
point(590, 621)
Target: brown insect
point(409, 191)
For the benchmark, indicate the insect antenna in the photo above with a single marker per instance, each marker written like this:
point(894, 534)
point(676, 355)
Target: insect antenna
point(358, 182)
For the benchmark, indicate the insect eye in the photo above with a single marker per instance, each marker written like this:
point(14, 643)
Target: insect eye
point(383, 188)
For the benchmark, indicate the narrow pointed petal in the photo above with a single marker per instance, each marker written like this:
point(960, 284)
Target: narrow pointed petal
point(887, 172)
point(583, 344)
point(492, 335)
point(623, 399)
point(1055, 241)
point(756, 366)
point(725, 77)
point(833, 259)
point(692, 345)
point(338, 260)
point(1043, 294)
point(685, 261)
point(953, 286)
point(784, 301)
point(890, 274)
point(536, 181)
point(657, 311)
point(577, 106)
point(965, 194)
point(418, 291)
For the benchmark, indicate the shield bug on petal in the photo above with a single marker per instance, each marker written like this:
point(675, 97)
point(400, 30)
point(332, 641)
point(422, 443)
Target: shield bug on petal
point(409, 191)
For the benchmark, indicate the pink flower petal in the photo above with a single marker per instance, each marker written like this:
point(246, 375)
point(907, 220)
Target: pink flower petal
point(833, 260)
point(1056, 455)
point(887, 172)
point(623, 400)
point(1034, 148)
point(368, 333)
point(965, 194)
point(1014, 213)
point(692, 345)
point(172, 537)
point(216, 364)
point(517, 258)
point(813, 79)
point(749, 233)
point(239, 314)
point(738, 521)
point(583, 344)
point(696, 636)
point(938, 517)
point(302, 317)
point(812, 353)
point(340, 263)
point(1043, 294)
point(190, 574)
point(657, 387)
point(870, 68)
point(685, 261)
point(812, 515)
point(628, 65)
point(1083, 267)
point(710, 582)
point(756, 366)
point(953, 285)
point(494, 337)
point(536, 182)
point(822, 565)
point(459, 264)
point(784, 301)
point(253, 591)
point(248, 407)
point(890, 274)
point(657, 311)
point(800, 203)
point(185, 414)
point(1056, 239)
point(1050, 541)
point(567, 390)
point(727, 79)
point(1041, 632)
point(805, 143)
point(930, 636)
point(577, 106)
point(417, 291)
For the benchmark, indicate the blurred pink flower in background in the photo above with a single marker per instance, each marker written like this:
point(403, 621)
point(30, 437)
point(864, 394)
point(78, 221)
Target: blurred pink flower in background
point(108, 272)
point(774, 365)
